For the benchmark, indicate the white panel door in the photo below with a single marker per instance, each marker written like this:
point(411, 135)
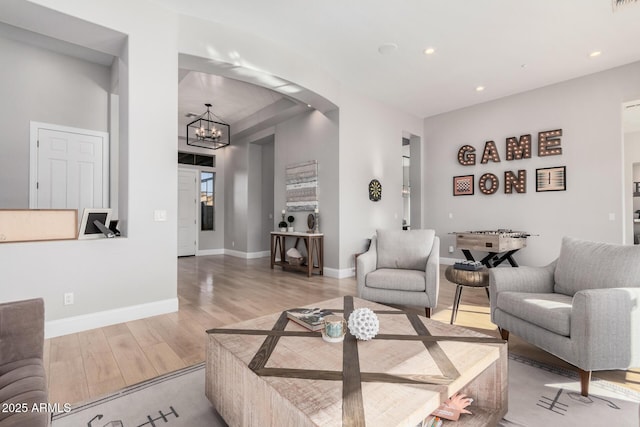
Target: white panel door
point(70, 170)
point(187, 211)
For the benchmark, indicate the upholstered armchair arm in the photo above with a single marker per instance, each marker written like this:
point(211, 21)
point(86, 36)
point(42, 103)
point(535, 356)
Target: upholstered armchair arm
point(367, 263)
point(605, 328)
point(21, 330)
point(432, 273)
point(520, 279)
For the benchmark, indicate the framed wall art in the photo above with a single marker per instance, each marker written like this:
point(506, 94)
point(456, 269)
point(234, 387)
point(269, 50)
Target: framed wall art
point(302, 186)
point(551, 179)
point(463, 185)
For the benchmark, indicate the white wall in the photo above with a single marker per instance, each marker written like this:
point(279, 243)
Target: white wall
point(588, 110)
point(370, 147)
point(40, 85)
point(116, 279)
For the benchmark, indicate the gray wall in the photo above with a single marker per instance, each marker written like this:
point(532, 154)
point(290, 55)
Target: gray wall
point(40, 85)
point(588, 110)
point(311, 136)
point(267, 194)
point(370, 135)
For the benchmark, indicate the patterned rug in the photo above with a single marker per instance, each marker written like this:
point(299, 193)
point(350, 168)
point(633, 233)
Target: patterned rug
point(543, 395)
point(539, 395)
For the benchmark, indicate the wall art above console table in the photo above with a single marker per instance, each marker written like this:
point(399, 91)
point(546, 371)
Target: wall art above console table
point(549, 144)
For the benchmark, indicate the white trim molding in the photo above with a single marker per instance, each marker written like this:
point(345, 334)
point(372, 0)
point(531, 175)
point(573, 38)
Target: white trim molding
point(206, 252)
point(71, 325)
point(247, 255)
point(339, 273)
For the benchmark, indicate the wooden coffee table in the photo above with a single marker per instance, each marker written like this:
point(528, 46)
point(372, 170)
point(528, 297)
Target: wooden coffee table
point(270, 371)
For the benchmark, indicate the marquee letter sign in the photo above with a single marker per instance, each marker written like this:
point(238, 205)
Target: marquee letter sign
point(547, 179)
point(466, 156)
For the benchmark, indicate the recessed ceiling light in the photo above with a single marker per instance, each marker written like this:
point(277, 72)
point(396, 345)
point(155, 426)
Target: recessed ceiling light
point(479, 88)
point(429, 51)
point(595, 53)
point(387, 48)
point(309, 105)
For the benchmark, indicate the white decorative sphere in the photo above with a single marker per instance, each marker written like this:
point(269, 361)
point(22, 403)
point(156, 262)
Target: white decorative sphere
point(363, 324)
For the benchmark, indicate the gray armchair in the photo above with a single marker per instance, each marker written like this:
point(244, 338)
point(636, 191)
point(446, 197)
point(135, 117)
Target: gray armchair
point(583, 308)
point(401, 267)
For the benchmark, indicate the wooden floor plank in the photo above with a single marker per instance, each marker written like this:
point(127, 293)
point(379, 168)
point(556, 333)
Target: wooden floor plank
point(101, 368)
point(132, 362)
point(163, 358)
point(66, 375)
point(218, 290)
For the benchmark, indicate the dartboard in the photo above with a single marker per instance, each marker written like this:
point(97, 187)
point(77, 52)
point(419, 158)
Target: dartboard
point(375, 190)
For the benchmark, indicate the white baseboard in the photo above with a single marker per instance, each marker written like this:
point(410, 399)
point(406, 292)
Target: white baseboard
point(247, 255)
point(339, 273)
point(210, 252)
point(231, 252)
point(71, 325)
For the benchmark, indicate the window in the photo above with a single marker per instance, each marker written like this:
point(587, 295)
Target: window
point(196, 159)
point(207, 200)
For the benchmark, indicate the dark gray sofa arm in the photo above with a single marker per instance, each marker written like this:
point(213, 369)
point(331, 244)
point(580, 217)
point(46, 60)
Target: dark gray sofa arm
point(21, 330)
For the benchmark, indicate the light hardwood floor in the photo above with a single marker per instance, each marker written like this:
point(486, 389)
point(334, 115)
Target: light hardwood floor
point(218, 290)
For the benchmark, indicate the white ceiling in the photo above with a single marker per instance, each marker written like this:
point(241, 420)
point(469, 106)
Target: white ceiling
point(507, 46)
point(232, 100)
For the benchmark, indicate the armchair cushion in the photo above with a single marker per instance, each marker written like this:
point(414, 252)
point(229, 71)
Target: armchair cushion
point(397, 280)
point(399, 249)
point(594, 265)
point(549, 311)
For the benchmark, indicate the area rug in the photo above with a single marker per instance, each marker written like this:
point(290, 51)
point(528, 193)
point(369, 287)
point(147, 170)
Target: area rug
point(173, 400)
point(539, 395)
point(543, 395)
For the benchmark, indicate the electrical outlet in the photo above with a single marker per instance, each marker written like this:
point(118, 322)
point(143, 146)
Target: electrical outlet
point(160, 215)
point(68, 298)
point(233, 244)
point(450, 249)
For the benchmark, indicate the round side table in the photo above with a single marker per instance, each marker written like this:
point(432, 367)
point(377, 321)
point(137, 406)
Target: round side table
point(473, 279)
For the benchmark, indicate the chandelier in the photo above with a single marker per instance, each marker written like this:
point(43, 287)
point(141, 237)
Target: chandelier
point(206, 132)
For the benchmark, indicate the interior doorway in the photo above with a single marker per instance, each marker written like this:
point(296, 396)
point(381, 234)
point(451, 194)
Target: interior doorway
point(411, 182)
point(187, 211)
point(631, 136)
point(406, 184)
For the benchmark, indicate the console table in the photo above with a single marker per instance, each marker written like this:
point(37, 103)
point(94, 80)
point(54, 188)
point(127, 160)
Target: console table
point(314, 244)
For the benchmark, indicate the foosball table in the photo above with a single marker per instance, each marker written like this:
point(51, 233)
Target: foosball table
point(500, 244)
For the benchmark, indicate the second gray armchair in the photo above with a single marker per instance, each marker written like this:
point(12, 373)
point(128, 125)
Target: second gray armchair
point(583, 308)
point(401, 267)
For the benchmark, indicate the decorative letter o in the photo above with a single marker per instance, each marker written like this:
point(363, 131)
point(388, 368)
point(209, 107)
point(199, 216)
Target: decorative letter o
point(482, 183)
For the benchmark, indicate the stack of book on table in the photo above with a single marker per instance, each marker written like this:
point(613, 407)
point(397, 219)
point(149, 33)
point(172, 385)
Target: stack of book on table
point(310, 318)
